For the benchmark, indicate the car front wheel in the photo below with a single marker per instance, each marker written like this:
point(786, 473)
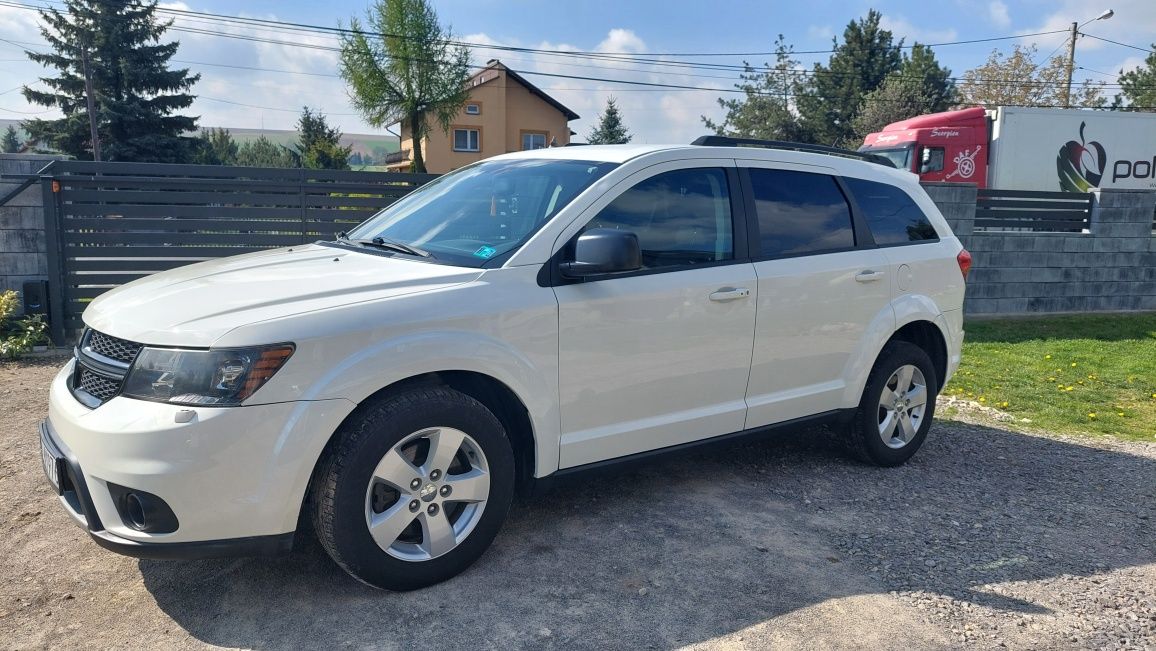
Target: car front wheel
point(414, 489)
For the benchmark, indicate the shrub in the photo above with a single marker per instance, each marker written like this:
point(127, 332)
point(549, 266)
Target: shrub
point(18, 336)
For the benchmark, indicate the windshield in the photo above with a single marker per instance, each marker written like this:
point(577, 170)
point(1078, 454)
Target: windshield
point(900, 157)
point(483, 211)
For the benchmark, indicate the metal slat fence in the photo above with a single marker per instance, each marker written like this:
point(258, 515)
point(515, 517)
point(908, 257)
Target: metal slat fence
point(1029, 211)
point(111, 223)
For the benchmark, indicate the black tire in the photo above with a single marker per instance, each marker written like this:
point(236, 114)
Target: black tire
point(342, 478)
point(866, 442)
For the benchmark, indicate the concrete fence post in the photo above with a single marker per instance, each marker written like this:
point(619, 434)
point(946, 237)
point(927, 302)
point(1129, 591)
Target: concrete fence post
point(957, 203)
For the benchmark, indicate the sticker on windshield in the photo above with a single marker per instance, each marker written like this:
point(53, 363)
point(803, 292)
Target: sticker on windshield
point(486, 252)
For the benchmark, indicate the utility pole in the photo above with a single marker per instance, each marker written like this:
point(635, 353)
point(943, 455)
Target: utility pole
point(91, 105)
point(1071, 65)
point(1108, 13)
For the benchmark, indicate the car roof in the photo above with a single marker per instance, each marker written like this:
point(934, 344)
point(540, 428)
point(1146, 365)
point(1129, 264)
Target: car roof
point(844, 165)
point(596, 153)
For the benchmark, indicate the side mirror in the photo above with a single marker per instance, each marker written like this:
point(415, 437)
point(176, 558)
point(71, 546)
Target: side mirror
point(603, 251)
point(928, 162)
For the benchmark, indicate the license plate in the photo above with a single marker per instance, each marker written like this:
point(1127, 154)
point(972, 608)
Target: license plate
point(51, 465)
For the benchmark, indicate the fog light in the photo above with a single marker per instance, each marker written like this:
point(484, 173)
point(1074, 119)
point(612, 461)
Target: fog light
point(143, 511)
point(135, 511)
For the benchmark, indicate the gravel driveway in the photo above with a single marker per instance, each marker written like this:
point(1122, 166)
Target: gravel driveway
point(987, 538)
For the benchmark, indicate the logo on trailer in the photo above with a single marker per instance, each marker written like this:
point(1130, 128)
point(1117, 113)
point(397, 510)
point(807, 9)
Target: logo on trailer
point(1080, 165)
point(964, 164)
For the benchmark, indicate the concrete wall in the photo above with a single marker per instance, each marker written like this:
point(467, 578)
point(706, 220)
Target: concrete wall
point(1110, 268)
point(22, 249)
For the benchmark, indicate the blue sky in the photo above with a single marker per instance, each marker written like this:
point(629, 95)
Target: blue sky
point(249, 99)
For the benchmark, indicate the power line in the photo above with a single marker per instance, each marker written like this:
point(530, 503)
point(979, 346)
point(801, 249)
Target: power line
point(264, 108)
point(294, 26)
point(646, 84)
point(346, 31)
point(1108, 40)
point(8, 110)
point(711, 66)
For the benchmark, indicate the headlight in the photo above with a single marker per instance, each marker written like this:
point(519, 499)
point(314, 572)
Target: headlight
point(218, 378)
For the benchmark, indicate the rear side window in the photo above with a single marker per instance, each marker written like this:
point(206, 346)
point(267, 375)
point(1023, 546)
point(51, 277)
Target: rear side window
point(800, 213)
point(891, 213)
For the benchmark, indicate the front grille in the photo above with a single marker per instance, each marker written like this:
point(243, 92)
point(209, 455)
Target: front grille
point(98, 386)
point(111, 347)
point(102, 362)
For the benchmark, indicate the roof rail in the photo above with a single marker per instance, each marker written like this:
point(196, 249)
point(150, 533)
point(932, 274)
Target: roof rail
point(727, 141)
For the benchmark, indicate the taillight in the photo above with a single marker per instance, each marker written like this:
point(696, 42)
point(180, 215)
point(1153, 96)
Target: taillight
point(964, 260)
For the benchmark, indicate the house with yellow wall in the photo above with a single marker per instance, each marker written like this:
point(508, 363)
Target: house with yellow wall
point(504, 113)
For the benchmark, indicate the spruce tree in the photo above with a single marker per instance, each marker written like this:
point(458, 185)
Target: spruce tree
point(1138, 86)
point(11, 142)
point(610, 129)
point(216, 147)
point(920, 86)
point(859, 65)
point(765, 112)
point(319, 146)
point(263, 152)
point(137, 97)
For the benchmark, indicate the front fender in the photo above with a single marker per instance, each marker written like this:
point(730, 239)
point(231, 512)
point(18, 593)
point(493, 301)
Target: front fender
point(383, 363)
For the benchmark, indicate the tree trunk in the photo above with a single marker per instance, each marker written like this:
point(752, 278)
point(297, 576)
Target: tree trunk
point(417, 130)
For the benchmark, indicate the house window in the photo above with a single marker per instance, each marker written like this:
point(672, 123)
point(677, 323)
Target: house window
point(473, 109)
point(467, 140)
point(533, 141)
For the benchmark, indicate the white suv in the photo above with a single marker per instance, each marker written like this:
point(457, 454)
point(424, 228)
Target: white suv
point(533, 314)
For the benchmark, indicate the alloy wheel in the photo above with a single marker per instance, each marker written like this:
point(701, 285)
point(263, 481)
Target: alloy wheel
point(902, 404)
point(427, 494)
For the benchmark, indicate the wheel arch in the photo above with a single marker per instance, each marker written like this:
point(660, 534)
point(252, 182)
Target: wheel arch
point(928, 336)
point(494, 394)
point(912, 318)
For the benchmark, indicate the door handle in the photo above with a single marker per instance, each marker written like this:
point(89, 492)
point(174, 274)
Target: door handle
point(868, 276)
point(729, 294)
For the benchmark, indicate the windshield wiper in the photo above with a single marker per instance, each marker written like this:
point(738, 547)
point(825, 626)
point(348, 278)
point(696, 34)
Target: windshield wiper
point(389, 245)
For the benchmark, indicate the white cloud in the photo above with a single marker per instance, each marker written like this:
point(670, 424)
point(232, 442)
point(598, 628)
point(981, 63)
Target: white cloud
point(998, 15)
point(820, 32)
point(1127, 65)
point(900, 27)
point(621, 41)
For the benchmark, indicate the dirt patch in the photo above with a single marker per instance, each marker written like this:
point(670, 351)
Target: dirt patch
point(986, 537)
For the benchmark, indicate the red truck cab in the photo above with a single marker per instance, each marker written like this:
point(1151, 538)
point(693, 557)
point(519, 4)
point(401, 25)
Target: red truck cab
point(950, 146)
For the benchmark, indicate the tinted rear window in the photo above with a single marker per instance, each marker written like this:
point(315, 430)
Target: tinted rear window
point(891, 213)
point(800, 213)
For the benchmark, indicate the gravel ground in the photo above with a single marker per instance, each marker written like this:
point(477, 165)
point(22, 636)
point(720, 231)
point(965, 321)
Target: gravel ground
point(986, 539)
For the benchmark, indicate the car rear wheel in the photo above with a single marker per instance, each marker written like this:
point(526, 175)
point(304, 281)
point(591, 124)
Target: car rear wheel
point(897, 406)
point(414, 489)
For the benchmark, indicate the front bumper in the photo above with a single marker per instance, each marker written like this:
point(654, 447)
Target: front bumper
point(235, 477)
point(68, 479)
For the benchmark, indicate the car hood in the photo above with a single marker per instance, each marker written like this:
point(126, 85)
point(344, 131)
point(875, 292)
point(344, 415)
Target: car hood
point(195, 305)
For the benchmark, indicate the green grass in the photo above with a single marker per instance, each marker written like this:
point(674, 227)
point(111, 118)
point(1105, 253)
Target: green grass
point(1082, 374)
